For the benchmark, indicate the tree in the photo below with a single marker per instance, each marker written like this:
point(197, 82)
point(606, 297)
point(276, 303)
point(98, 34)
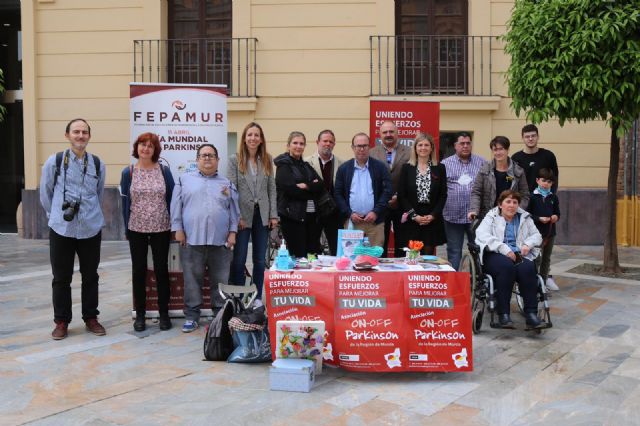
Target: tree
point(578, 60)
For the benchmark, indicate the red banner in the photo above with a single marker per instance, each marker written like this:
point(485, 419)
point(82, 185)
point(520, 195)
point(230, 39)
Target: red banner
point(410, 117)
point(302, 296)
point(369, 321)
point(381, 321)
point(438, 321)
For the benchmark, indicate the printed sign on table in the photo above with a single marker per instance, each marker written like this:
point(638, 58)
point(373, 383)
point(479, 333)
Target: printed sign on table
point(301, 296)
point(370, 334)
point(439, 321)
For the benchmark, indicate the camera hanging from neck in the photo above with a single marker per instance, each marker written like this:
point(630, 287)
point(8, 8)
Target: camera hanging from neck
point(64, 184)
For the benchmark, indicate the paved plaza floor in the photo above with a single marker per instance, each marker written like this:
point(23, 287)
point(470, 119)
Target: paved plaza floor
point(583, 371)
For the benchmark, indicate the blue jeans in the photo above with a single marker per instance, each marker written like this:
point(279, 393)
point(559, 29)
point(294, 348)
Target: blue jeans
point(259, 237)
point(193, 260)
point(455, 239)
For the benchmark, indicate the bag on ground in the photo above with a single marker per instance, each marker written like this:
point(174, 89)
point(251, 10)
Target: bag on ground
point(218, 343)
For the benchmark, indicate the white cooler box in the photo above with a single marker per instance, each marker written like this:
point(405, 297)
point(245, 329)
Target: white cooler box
point(293, 375)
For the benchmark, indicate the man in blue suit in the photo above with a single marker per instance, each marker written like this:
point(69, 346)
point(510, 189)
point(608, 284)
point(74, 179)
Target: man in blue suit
point(362, 191)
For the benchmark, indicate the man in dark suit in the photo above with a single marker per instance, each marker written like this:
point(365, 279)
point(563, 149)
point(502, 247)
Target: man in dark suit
point(393, 155)
point(362, 191)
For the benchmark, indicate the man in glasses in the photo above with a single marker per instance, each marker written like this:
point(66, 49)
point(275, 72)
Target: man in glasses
point(393, 156)
point(363, 190)
point(204, 216)
point(462, 169)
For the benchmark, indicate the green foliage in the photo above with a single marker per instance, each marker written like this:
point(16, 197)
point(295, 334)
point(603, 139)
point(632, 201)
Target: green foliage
point(575, 60)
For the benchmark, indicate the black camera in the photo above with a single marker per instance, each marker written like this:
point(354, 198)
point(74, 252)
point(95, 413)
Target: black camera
point(69, 210)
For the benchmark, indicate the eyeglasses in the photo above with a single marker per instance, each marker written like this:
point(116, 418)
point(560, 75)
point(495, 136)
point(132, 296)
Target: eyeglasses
point(360, 146)
point(212, 156)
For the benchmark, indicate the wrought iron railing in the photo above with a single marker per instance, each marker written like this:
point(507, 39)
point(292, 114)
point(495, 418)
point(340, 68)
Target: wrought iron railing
point(230, 61)
point(431, 65)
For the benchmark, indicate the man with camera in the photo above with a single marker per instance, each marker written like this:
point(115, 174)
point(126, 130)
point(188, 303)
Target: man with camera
point(71, 189)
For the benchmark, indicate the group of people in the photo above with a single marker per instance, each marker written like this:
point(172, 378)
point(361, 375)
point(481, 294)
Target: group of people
point(390, 187)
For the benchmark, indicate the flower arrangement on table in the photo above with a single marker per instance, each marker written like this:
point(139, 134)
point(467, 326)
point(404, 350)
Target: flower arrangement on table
point(413, 251)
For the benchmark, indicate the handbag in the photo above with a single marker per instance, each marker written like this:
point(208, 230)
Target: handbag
point(325, 204)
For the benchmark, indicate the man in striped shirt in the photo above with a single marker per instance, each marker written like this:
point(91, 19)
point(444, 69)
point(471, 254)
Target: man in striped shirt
point(462, 169)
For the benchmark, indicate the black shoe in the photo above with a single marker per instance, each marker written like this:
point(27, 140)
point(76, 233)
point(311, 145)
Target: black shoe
point(165, 323)
point(505, 321)
point(533, 321)
point(139, 324)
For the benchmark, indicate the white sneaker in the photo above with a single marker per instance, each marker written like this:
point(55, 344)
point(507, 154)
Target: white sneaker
point(551, 284)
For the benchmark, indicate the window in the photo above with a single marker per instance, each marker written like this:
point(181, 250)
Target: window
point(200, 45)
point(431, 45)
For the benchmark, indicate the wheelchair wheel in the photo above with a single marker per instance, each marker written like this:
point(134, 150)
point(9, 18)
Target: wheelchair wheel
point(476, 320)
point(468, 265)
point(519, 299)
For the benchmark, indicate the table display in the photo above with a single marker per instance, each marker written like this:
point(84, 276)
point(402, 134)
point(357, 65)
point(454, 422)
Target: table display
point(409, 319)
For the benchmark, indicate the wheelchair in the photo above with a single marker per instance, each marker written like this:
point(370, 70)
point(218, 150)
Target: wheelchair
point(483, 294)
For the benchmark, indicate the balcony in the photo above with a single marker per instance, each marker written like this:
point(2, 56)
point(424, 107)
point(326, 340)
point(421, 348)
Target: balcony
point(229, 61)
point(432, 65)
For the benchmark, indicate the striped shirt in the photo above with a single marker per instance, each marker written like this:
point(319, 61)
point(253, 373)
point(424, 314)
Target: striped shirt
point(460, 178)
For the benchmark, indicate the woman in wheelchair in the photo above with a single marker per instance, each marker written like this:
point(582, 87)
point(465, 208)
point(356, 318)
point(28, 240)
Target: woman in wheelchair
point(508, 241)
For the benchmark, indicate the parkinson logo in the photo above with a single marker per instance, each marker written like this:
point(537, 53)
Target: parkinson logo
point(460, 358)
point(178, 105)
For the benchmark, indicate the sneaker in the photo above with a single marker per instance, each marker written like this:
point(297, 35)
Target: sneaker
point(93, 326)
point(60, 332)
point(189, 326)
point(551, 284)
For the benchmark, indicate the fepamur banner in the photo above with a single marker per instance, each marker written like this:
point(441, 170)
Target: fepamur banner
point(184, 117)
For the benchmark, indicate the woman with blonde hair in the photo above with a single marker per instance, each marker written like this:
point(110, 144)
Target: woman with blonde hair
point(251, 171)
point(422, 193)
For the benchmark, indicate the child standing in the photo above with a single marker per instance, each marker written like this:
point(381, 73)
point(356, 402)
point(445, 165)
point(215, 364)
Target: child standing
point(545, 209)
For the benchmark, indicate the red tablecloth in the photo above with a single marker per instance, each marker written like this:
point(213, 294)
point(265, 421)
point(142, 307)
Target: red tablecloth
point(413, 320)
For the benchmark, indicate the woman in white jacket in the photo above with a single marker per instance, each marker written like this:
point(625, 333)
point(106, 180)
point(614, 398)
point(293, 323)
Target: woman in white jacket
point(509, 241)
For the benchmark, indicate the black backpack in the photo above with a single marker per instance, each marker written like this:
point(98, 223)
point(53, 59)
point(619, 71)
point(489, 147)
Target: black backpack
point(218, 343)
point(59, 155)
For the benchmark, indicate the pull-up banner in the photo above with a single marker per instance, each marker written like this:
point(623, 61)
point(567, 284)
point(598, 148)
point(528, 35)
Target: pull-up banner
point(184, 117)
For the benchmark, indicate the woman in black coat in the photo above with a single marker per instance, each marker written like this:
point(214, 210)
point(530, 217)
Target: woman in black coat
point(422, 192)
point(297, 186)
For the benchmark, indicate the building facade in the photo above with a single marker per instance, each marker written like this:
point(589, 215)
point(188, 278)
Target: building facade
point(289, 65)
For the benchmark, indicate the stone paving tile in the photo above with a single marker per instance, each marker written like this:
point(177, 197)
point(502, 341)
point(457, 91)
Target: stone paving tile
point(585, 370)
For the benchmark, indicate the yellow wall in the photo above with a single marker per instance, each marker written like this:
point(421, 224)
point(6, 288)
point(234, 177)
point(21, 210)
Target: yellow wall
point(628, 221)
point(313, 73)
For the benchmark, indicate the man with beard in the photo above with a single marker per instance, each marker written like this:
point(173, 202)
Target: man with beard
point(393, 155)
point(326, 164)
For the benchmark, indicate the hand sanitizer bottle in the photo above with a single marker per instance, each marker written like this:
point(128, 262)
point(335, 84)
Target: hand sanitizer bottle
point(283, 259)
